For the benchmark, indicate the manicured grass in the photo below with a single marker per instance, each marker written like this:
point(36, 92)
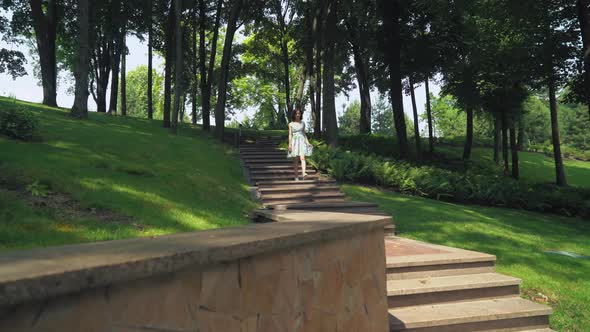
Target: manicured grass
point(156, 182)
point(534, 167)
point(517, 238)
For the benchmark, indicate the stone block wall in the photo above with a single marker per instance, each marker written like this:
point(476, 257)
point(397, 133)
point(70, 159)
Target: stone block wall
point(324, 286)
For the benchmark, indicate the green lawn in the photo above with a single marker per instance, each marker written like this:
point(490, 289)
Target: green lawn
point(534, 167)
point(517, 238)
point(127, 167)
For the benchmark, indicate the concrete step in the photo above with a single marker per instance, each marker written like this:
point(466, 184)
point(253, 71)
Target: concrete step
point(291, 182)
point(248, 154)
point(301, 201)
point(282, 161)
point(254, 149)
point(540, 330)
point(264, 157)
point(298, 188)
point(272, 166)
point(325, 206)
point(437, 290)
point(505, 314)
point(267, 198)
point(259, 145)
point(279, 171)
point(434, 261)
point(271, 177)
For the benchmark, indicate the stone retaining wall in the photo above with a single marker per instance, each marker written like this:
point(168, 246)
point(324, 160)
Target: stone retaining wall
point(333, 281)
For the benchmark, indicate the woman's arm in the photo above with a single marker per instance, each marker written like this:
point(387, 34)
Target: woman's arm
point(290, 138)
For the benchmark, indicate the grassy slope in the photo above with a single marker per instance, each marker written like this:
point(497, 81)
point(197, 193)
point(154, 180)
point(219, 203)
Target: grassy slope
point(535, 167)
point(134, 167)
point(517, 238)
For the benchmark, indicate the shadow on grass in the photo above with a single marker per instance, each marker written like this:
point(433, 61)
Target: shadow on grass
point(167, 183)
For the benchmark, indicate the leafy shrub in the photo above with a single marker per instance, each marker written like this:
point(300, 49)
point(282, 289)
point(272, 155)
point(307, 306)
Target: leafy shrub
point(18, 123)
point(38, 189)
point(476, 185)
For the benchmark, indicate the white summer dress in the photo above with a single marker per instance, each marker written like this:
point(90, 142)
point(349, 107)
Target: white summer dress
point(299, 143)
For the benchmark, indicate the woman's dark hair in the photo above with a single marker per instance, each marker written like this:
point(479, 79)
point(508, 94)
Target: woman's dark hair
point(294, 113)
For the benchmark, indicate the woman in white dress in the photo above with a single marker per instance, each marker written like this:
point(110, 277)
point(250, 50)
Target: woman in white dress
point(299, 146)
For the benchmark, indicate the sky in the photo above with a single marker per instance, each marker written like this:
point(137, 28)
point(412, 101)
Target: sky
point(28, 87)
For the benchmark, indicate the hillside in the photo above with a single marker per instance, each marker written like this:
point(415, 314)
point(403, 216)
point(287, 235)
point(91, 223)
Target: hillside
point(112, 177)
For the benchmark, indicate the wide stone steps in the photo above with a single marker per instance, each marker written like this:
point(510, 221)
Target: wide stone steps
point(504, 314)
point(276, 198)
point(325, 206)
point(297, 201)
point(289, 189)
point(292, 182)
point(258, 172)
point(436, 265)
point(257, 167)
point(283, 161)
point(266, 157)
point(271, 177)
point(433, 290)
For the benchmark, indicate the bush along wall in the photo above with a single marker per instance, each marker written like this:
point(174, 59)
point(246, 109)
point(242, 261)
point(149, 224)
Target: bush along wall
point(476, 185)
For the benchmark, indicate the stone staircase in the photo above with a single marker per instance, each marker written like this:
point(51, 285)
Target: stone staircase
point(429, 287)
point(271, 172)
point(438, 288)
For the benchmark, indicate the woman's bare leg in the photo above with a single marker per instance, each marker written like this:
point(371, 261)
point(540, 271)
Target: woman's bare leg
point(296, 167)
point(303, 166)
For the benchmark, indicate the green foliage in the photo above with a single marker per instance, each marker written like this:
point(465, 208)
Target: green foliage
point(450, 121)
point(137, 93)
point(372, 144)
point(38, 189)
point(349, 121)
point(482, 185)
point(18, 122)
point(382, 118)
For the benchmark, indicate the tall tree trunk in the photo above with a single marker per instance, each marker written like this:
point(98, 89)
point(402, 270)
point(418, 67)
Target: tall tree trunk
point(224, 69)
point(521, 134)
point(102, 68)
point(560, 178)
point(429, 114)
point(416, 120)
point(177, 64)
point(150, 103)
point(168, 67)
point(45, 26)
point(124, 76)
point(202, 67)
point(318, 37)
point(310, 32)
point(298, 98)
point(584, 20)
point(116, 60)
point(505, 142)
point(329, 88)
point(514, 151)
point(195, 70)
point(208, 80)
point(286, 64)
point(497, 137)
point(469, 135)
point(391, 11)
point(361, 69)
point(80, 107)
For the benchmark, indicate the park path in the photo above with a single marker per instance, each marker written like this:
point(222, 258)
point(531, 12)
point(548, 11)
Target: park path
point(429, 287)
